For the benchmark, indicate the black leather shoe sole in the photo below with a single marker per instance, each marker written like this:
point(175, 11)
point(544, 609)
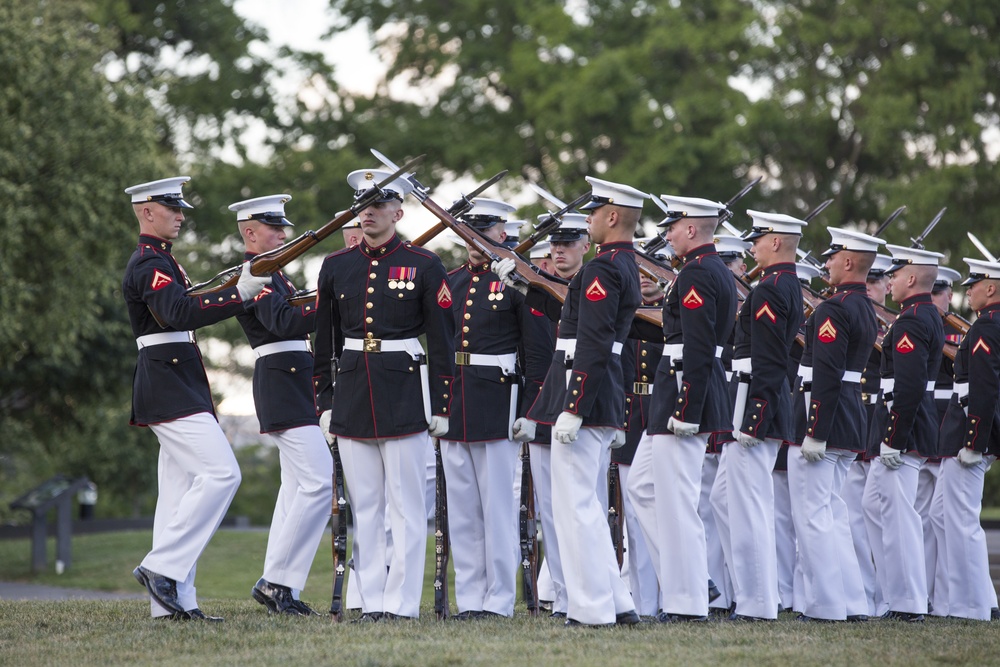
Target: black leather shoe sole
point(627, 618)
point(149, 579)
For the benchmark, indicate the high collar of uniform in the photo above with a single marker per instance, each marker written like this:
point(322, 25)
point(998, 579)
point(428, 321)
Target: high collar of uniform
point(156, 242)
point(989, 308)
point(616, 245)
point(477, 268)
point(850, 287)
point(923, 297)
point(787, 267)
point(379, 251)
point(658, 301)
point(700, 251)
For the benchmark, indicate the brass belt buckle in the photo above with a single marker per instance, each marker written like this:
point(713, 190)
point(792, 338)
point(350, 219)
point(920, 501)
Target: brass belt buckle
point(641, 389)
point(373, 345)
point(463, 359)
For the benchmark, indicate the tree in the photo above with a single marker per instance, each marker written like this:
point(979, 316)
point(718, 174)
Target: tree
point(69, 143)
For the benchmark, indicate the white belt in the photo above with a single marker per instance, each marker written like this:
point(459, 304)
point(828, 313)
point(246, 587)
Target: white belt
point(281, 346)
point(931, 386)
point(961, 389)
point(851, 376)
point(676, 351)
point(378, 345)
point(150, 340)
point(504, 362)
point(744, 365)
point(729, 376)
point(943, 394)
point(888, 384)
point(806, 373)
point(568, 346)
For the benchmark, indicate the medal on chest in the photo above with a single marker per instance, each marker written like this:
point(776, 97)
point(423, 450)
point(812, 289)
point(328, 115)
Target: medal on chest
point(496, 290)
point(401, 277)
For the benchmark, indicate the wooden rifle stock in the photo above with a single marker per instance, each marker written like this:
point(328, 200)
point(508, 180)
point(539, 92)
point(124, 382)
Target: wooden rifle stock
point(616, 513)
point(442, 539)
point(528, 531)
point(339, 545)
point(461, 206)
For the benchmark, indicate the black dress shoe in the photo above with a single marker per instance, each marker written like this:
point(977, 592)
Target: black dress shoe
point(369, 617)
point(557, 614)
point(713, 591)
point(627, 618)
point(905, 616)
point(664, 617)
point(719, 613)
point(490, 614)
point(573, 623)
point(466, 615)
point(389, 616)
point(304, 609)
point(857, 618)
point(162, 589)
point(198, 615)
point(742, 618)
point(995, 614)
point(277, 598)
point(811, 619)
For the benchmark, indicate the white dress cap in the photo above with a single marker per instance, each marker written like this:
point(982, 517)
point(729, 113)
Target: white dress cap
point(572, 227)
point(981, 269)
point(166, 191)
point(513, 227)
point(726, 244)
point(664, 253)
point(270, 209)
point(881, 265)
point(607, 192)
point(690, 207)
point(848, 239)
point(540, 251)
point(946, 277)
point(365, 179)
point(773, 223)
point(903, 256)
point(806, 271)
point(487, 212)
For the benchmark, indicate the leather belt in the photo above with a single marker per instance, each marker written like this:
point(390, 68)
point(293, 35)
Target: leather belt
point(379, 345)
point(505, 362)
point(149, 340)
point(281, 346)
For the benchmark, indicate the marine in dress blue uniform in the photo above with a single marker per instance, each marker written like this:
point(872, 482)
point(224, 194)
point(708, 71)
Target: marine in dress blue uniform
point(197, 474)
point(497, 339)
point(911, 358)
point(970, 442)
point(373, 302)
point(584, 401)
point(691, 402)
point(767, 323)
point(285, 402)
point(839, 335)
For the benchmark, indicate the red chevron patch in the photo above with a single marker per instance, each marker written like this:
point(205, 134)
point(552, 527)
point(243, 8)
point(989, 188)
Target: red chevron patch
point(827, 332)
point(765, 311)
point(981, 345)
point(596, 291)
point(692, 299)
point(160, 280)
point(904, 345)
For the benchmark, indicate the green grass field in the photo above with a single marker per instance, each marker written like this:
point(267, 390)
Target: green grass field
point(121, 632)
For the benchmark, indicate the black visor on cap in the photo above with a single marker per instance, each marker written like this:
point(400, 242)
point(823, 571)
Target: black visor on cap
point(566, 235)
point(272, 218)
point(974, 278)
point(387, 195)
point(171, 200)
point(481, 221)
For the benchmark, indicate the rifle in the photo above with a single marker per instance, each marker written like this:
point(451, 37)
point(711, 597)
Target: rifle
point(616, 512)
point(755, 273)
point(460, 207)
point(889, 220)
point(551, 221)
point(442, 538)
point(528, 529)
point(339, 547)
point(269, 262)
point(918, 242)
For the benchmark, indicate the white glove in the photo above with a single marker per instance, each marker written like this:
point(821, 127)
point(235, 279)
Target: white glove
point(813, 450)
point(682, 428)
point(250, 285)
point(324, 425)
point(891, 458)
point(438, 426)
point(524, 429)
point(504, 268)
point(619, 439)
point(748, 441)
point(969, 457)
point(566, 428)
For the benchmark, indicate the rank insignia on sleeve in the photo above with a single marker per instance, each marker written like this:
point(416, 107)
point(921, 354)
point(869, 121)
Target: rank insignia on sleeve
point(904, 344)
point(765, 311)
point(981, 345)
point(692, 299)
point(160, 280)
point(264, 292)
point(827, 332)
point(596, 291)
point(444, 295)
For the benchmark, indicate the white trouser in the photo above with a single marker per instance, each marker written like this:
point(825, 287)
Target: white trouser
point(902, 536)
point(784, 539)
point(482, 519)
point(430, 479)
point(677, 463)
point(302, 509)
point(871, 505)
point(853, 494)
point(639, 490)
point(970, 589)
point(641, 575)
point(717, 538)
point(939, 599)
point(717, 567)
point(935, 570)
point(197, 477)
point(832, 587)
point(546, 590)
point(385, 476)
point(750, 492)
point(594, 587)
point(541, 475)
point(352, 594)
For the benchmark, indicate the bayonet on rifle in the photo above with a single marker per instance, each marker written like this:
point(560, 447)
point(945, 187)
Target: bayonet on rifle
point(919, 241)
point(888, 221)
